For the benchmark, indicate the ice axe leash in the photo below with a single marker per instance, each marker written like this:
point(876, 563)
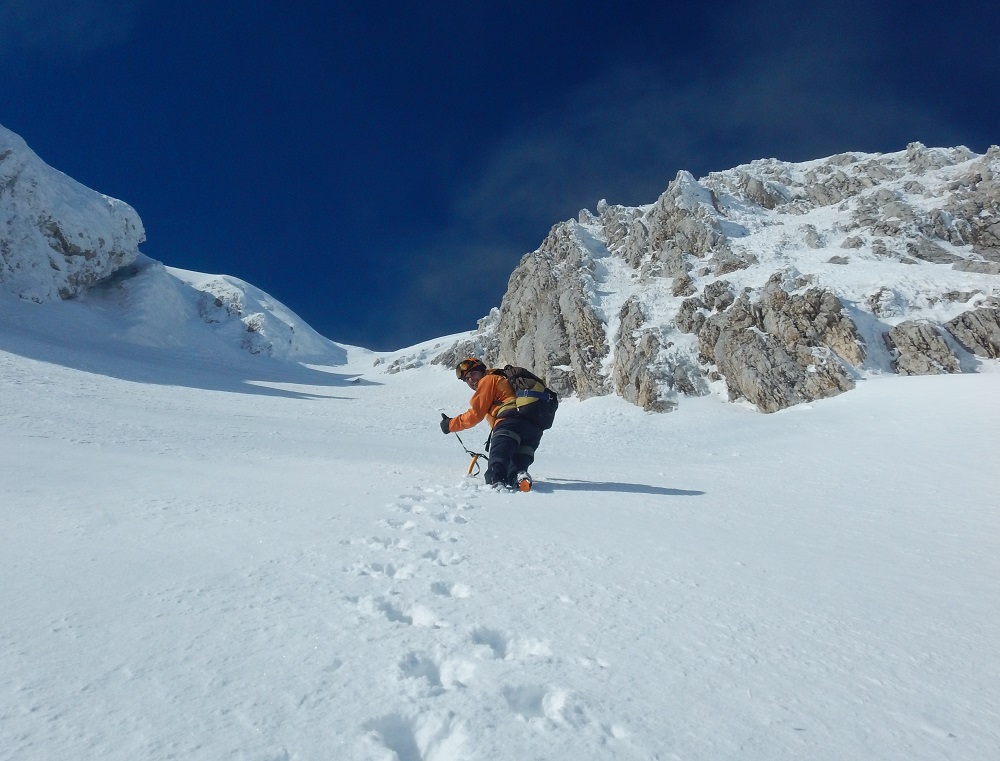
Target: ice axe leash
point(475, 458)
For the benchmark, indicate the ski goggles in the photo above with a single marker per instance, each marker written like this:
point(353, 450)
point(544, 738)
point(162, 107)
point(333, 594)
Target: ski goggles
point(466, 366)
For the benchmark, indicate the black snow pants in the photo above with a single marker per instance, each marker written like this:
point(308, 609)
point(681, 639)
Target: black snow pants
point(512, 449)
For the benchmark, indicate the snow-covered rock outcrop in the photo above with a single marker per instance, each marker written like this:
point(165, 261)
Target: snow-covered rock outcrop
point(57, 237)
point(773, 282)
point(60, 240)
point(161, 306)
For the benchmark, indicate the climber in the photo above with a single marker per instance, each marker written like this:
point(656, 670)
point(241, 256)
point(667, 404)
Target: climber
point(514, 438)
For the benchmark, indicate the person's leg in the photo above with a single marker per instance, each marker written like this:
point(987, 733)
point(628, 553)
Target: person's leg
point(524, 455)
point(503, 444)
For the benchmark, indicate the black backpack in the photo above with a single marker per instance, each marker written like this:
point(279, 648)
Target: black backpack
point(535, 402)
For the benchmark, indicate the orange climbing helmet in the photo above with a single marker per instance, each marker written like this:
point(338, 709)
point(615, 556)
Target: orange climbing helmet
point(466, 366)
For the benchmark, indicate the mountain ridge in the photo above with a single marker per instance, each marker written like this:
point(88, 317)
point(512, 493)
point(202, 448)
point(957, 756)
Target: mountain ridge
point(772, 283)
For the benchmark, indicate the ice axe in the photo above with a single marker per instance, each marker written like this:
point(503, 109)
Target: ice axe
point(475, 458)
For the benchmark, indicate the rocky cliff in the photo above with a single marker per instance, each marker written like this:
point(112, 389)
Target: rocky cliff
point(773, 282)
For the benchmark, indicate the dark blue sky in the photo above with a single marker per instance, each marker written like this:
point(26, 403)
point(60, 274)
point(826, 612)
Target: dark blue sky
point(381, 167)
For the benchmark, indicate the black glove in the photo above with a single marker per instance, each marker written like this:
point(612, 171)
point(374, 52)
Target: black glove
point(445, 420)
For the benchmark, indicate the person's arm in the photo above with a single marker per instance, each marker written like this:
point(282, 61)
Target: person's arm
point(480, 404)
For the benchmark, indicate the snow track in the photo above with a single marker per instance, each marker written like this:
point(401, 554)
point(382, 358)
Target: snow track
point(466, 685)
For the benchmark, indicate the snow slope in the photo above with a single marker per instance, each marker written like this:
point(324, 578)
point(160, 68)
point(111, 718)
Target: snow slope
point(214, 555)
point(62, 241)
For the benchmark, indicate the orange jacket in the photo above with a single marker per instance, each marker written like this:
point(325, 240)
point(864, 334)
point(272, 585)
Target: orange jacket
point(493, 396)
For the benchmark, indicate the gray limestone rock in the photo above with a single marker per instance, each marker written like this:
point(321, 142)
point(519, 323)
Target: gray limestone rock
point(726, 261)
point(765, 193)
point(784, 348)
point(457, 352)
point(975, 204)
point(625, 232)
point(885, 302)
point(920, 350)
point(929, 251)
point(685, 220)
point(978, 331)
point(942, 225)
point(982, 268)
point(547, 321)
point(759, 368)
point(826, 187)
point(719, 295)
point(683, 285)
point(637, 373)
point(691, 317)
point(672, 261)
point(813, 318)
point(922, 159)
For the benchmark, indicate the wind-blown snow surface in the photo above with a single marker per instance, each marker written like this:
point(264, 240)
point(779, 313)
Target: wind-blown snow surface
point(233, 559)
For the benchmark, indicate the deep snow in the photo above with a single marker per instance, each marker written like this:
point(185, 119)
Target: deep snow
point(212, 555)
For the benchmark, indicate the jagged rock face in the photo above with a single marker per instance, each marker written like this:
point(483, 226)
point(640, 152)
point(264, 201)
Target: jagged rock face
point(637, 374)
point(758, 368)
point(782, 349)
point(920, 350)
point(766, 277)
point(547, 319)
point(978, 331)
point(814, 318)
point(624, 231)
point(684, 219)
point(719, 295)
point(57, 238)
point(974, 208)
point(969, 215)
point(685, 225)
point(812, 236)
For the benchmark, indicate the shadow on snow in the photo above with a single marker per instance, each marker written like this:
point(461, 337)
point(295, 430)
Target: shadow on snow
point(176, 366)
point(572, 484)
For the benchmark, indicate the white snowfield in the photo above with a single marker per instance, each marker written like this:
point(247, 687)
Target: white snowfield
point(212, 555)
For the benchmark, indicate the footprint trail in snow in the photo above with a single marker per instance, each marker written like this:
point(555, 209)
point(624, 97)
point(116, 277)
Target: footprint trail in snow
point(462, 683)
